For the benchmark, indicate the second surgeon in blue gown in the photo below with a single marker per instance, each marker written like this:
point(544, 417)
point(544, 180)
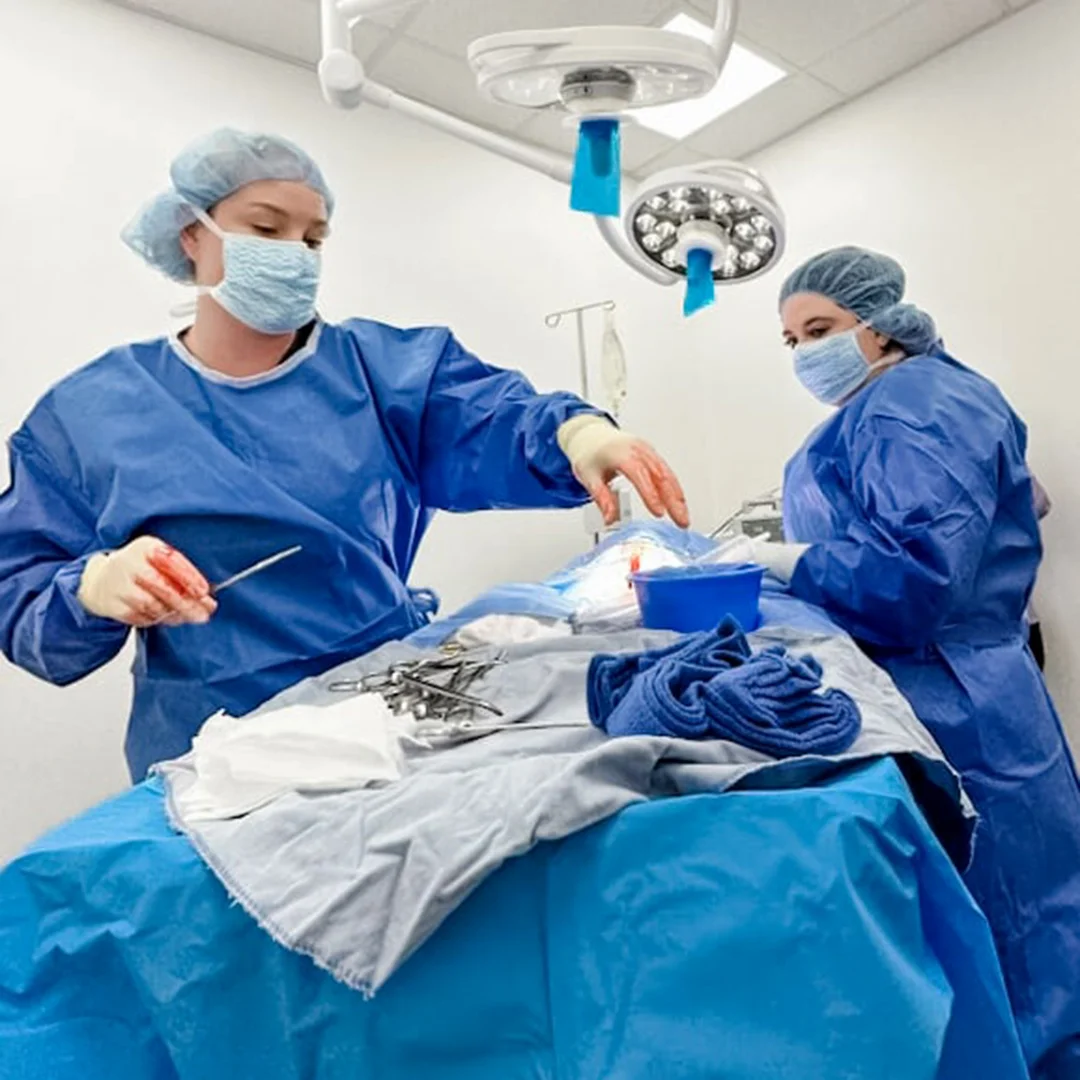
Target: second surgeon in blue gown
point(167, 465)
point(913, 522)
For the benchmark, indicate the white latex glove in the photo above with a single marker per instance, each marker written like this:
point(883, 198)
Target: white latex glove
point(144, 584)
point(779, 559)
point(739, 549)
point(598, 452)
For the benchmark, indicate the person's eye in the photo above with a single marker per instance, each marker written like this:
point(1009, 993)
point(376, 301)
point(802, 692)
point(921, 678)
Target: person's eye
point(816, 333)
point(314, 243)
point(264, 230)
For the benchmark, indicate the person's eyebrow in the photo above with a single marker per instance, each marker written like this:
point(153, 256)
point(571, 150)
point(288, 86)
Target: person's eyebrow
point(268, 206)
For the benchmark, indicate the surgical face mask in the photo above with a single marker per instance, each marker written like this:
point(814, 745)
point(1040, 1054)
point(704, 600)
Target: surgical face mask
point(269, 285)
point(833, 368)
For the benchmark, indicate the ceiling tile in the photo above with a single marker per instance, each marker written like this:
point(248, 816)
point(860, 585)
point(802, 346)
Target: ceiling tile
point(913, 36)
point(547, 129)
point(774, 113)
point(443, 81)
point(452, 25)
point(393, 17)
point(292, 33)
point(367, 38)
point(681, 155)
point(1017, 4)
point(639, 144)
point(802, 31)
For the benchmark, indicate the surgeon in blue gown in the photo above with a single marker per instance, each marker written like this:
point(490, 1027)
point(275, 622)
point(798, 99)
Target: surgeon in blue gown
point(170, 464)
point(911, 519)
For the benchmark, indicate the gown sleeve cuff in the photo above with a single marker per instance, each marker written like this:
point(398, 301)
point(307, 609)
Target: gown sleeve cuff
point(66, 584)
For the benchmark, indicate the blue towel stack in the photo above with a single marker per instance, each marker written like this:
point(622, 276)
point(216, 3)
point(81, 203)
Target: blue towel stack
point(710, 686)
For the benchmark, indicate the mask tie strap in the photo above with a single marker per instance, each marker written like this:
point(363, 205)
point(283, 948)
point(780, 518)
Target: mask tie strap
point(205, 219)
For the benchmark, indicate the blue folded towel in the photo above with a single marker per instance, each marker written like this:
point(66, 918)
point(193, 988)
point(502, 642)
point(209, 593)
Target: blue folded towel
point(709, 686)
point(610, 677)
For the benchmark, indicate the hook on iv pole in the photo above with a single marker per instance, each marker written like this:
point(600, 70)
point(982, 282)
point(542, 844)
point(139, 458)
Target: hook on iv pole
point(554, 321)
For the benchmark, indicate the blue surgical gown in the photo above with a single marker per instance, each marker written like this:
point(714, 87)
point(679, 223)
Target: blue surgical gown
point(347, 448)
point(917, 503)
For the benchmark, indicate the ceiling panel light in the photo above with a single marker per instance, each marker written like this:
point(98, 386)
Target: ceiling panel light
point(744, 76)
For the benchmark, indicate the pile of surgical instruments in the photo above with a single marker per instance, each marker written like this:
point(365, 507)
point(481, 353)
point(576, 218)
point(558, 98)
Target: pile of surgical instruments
point(433, 693)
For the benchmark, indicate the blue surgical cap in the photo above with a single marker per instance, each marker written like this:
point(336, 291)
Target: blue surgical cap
point(204, 173)
point(870, 286)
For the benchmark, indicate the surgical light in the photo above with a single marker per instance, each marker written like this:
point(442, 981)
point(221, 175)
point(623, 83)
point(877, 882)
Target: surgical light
point(720, 207)
point(595, 76)
point(586, 68)
point(712, 223)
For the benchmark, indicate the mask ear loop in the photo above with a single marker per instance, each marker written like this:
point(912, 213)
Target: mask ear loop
point(183, 310)
point(205, 219)
point(890, 358)
point(187, 308)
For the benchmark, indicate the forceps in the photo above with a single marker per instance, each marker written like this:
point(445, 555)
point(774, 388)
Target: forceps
point(411, 687)
point(461, 730)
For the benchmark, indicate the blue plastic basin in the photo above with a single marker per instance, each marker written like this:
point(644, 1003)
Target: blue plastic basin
point(693, 598)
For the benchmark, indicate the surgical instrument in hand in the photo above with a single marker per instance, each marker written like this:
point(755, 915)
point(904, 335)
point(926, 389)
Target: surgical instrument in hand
point(256, 568)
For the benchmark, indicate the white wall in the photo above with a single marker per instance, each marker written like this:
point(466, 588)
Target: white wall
point(930, 167)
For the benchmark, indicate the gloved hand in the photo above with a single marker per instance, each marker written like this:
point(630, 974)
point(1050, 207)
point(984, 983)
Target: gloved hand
point(739, 549)
point(144, 584)
point(779, 559)
point(598, 452)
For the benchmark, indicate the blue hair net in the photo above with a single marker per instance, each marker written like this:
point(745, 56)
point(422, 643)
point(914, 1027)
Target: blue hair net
point(205, 172)
point(870, 286)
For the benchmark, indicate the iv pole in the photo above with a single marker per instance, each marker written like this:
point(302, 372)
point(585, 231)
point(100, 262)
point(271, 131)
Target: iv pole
point(554, 321)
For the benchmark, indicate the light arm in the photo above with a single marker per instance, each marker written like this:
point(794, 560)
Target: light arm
point(346, 85)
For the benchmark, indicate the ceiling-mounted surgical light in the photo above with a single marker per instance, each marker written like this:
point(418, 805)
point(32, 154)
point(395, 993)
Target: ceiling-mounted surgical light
point(596, 76)
point(721, 208)
point(703, 225)
point(598, 68)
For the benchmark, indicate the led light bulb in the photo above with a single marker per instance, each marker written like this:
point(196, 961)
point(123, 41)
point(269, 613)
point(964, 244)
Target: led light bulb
point(750, 260)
